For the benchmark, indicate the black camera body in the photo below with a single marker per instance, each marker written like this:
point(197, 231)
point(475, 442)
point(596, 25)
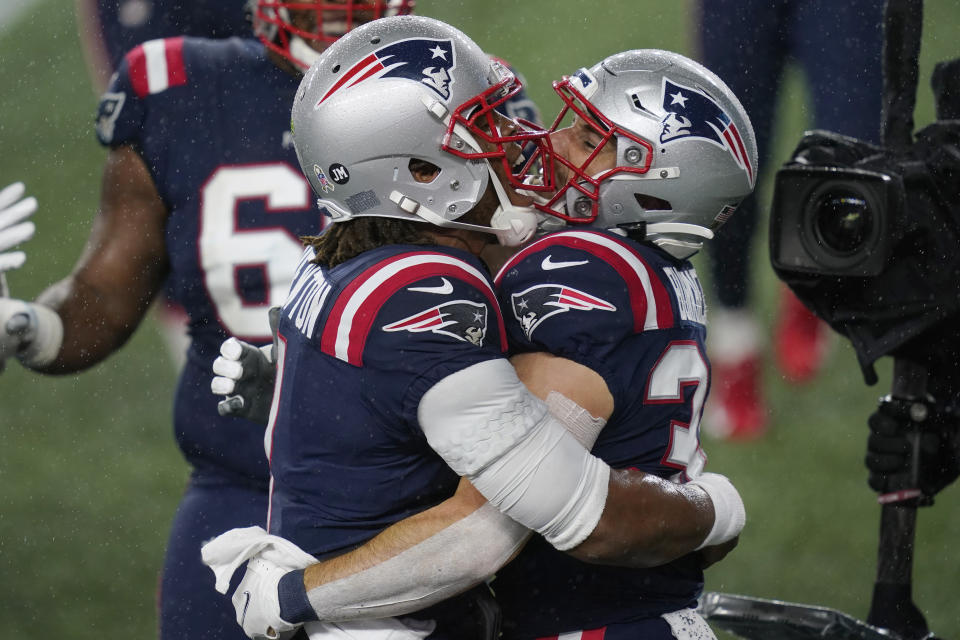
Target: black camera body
point(868, 238)
point(834, 220)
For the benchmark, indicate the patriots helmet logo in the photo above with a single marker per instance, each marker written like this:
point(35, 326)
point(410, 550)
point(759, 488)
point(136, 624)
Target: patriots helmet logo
point(425, 60)
point(534, 305)
point(690, 113)
point(461, 319)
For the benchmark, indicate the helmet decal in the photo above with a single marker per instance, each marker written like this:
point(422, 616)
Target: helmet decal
point(424, 60)
point(690, 113)
point(322, 180)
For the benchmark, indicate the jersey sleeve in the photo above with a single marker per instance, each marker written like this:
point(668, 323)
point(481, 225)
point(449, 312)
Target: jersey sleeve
point(580, 295)
point(146, 70)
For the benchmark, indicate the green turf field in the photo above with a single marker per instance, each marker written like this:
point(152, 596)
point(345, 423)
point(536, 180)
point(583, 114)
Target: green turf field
point(88, 466)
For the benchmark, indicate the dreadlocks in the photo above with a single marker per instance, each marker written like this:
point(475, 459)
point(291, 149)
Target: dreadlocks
point(345, 240)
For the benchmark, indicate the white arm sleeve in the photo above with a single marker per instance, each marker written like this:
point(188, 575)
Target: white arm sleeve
point(489, 428)
point(449, 562)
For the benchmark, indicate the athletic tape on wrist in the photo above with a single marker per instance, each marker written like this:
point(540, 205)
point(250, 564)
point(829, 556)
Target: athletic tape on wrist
point(729, 513)
point(47, 337)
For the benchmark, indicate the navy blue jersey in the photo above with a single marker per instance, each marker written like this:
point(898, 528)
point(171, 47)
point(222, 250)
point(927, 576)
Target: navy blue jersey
point(113, 27)
point(637, 317)
point(211, 120)
point(359, 345)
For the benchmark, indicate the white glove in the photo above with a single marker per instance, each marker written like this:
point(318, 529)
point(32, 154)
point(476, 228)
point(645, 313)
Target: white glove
point(269, 558)
point(13, 229)
point(245, 375)
point(32, 332)
point(257, 601)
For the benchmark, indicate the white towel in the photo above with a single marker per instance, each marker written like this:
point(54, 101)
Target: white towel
point(229, 550)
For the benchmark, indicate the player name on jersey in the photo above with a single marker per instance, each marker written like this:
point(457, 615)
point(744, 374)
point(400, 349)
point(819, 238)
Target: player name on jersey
point(305, 301)
point(689, 294)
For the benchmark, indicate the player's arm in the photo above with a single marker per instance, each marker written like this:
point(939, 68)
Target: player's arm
point(80, 320)
point(447, 549)
point(646, 520)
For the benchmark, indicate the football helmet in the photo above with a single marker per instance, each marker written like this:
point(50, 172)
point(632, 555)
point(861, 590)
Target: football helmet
point(398, 91)
point(288, 26)
point(686, 154)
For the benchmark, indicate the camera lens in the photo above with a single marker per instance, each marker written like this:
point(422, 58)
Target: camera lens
point(843, 220)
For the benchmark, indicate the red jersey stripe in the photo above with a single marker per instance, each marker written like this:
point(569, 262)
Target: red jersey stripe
point(176, 70)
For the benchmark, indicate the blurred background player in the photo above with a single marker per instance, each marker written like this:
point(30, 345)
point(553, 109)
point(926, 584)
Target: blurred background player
point(628, 163)
point(201, 193)
point(750, 45)
point(111, 28)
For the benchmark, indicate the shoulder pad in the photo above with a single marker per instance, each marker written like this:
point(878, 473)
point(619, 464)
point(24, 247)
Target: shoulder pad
point(567, 259)
point(422, 292)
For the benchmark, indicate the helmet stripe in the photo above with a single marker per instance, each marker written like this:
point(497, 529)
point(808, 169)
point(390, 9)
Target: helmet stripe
point(357, 68)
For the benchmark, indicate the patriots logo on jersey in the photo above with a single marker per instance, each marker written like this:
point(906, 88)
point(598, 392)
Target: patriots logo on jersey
point(693, 114)
point(424, 60)
point(534, 305)
point(109, 110)
point(461, 319)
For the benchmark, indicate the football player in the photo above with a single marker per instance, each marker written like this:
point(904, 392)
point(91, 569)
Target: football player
point(415, 341)
point(657, 156)
point(202, 196)
point(201, 191)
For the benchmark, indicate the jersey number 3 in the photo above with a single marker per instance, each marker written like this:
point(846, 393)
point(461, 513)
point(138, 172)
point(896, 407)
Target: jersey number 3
point(680, 366)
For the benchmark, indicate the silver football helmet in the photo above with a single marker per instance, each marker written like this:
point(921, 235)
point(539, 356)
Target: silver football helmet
point(686, 154)
point(408, 89)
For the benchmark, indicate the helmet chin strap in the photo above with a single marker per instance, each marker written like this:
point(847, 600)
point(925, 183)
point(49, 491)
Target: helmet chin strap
point(511, 224)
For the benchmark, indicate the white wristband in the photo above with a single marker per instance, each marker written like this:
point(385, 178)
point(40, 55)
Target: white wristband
point(729, 514)
point(47, 339)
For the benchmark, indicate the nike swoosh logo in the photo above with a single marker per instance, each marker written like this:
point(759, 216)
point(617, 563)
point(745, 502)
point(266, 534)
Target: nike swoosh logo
point(548, 264)
point(243, 616)
point(444, 289)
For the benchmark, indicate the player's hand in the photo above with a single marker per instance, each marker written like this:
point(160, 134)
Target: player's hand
point(245, 374)
point(31, 332)
point(14, 228)
point(257, 601)
point(893, 427)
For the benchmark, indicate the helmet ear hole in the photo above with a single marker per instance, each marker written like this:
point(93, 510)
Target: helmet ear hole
point(652, 203)
point(423, 171)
